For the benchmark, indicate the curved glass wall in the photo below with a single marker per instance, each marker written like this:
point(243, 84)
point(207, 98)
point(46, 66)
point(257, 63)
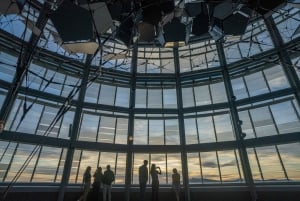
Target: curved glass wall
point(203, 108)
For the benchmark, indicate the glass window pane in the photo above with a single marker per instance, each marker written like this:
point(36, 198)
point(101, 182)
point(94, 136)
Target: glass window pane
point(202, 95)
point(285, 117)
point(206, 129)
point(262, 121)
point(154, 98)
point(254, 164)
point(188, 97)
point(193, 160)
point(210, 168)
point(7, 153)
point(229, 166)
point(256, 84)
point(122, 97)
point(223, 128)
point(140, 131)
point(47, 165)
point(172, 132)
point(121, 131)
point(218, 93)
point(270, 164)
point(140, 98)
point(156, 132)
point(89, 127)
point(107, 95)
point(290, 155)
point(92, 93)
point(120, 169)
point(23, 153)
point(239, 88)
point(191, 136)
point(276, 78)
point(170, 98)
point(107, 129)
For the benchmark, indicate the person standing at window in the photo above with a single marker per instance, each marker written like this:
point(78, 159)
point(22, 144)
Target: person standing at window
point(155, 171)
point(176, 183)
point(97, 183)
point(107, 179)
point(86, 184)
point(143, 178)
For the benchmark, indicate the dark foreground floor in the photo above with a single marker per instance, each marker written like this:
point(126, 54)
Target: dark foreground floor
point(277, 194)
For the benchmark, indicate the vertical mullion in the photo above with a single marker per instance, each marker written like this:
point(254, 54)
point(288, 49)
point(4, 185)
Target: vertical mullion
point(58, 165)
point(98, 129)
point(197, 129)
point(237, 163)
point(79, 162)
point(258, 163)
point(116, 162)
point(115, 131)
point(219, 168)
point(36, 162)
point(214, 126)
point(280, 159)
point(200, 162)
point(181, 125)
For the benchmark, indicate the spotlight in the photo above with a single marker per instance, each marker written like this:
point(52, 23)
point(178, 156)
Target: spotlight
point(200, 25)
point(194, 8)
point(75, 28)
point(232, 20)
point(146, 31)
point(174, 34)
point(224, 10)
point(125, 31)
point(101, 16)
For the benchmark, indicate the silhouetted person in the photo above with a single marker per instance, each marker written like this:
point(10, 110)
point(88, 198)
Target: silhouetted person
point(107, 179)
point(143, 178)
point(97, 183)
point(154, 171)
point(176, 184)
point(86, 183)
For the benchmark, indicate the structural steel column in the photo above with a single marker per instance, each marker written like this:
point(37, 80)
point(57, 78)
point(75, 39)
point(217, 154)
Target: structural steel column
point(185, 176)
point(130, 138)
point(236, 122)
point(284, 57)
point(75, 130)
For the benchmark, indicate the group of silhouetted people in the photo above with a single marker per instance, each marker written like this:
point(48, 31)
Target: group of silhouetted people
point(154, 172)
point(103, 180)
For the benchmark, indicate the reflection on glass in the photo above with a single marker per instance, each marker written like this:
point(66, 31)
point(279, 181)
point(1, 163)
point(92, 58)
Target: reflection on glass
point(290, 155)
point(270, 163)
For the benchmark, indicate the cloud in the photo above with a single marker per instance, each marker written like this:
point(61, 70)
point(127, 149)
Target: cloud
point(209, 164)
point(230, 163)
